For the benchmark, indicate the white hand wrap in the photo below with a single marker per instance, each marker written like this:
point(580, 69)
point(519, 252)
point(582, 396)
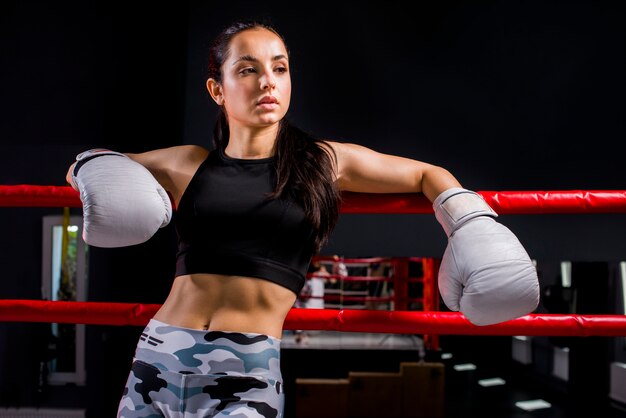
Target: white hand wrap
point(485, 272)
point(123, 204)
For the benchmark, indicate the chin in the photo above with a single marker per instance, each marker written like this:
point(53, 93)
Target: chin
point(269, 120)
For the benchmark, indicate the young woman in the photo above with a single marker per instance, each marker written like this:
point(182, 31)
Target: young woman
point(250, 214)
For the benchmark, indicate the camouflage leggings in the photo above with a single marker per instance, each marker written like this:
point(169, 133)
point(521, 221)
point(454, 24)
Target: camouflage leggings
point(188, 373)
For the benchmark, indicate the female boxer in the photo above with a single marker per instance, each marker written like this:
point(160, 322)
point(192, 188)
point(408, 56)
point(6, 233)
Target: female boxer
point(250, 214)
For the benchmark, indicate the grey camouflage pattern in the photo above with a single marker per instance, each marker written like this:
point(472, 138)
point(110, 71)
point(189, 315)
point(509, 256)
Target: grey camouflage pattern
point(187, 373)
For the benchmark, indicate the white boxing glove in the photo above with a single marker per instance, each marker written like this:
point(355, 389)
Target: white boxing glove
point(123, 204)
point(485, 272)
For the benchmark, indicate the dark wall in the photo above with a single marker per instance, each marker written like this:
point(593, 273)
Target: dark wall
point(507, 95)
point(78, 75)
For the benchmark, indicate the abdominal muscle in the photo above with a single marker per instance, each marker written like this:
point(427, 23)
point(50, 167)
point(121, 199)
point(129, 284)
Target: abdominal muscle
point(227, 303)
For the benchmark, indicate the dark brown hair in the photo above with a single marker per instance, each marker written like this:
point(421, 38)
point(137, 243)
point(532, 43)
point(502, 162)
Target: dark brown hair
point(304, 168)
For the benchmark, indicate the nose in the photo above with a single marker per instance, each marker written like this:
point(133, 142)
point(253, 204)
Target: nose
point(268, 82)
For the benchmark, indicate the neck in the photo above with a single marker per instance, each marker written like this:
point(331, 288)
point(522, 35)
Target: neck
point(252, 144)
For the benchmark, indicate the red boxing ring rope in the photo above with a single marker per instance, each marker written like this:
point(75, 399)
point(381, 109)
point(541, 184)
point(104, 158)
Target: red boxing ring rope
point(504, 203)
point(392, 322)
point(400, 322)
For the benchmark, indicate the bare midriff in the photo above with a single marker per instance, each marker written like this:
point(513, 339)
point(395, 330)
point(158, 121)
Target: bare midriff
point(227, 303)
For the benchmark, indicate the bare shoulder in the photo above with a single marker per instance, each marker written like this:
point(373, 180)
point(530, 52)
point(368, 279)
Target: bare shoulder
point(172, 166)
point(342, 149)
point(163, 160)
point(338, 150)
point(328, 145)
point(342, 153)
point(194, 152)
point(187, 156)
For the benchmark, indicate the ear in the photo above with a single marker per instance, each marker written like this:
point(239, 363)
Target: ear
point(215, 90)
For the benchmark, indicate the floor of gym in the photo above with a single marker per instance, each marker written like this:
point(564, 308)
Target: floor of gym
point(476, 385)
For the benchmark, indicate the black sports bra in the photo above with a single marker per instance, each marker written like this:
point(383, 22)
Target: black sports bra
point(227, 225)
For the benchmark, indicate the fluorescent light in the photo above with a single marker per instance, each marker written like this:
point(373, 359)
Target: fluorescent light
point(533, 404)
point(496, 381)
point(566, 273)
point(464, 367)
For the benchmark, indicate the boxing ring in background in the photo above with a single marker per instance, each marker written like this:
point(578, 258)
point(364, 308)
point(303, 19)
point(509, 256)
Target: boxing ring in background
point(430, 321)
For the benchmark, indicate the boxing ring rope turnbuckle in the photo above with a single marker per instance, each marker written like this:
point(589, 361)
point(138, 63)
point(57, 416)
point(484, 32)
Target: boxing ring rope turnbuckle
point(429, 322)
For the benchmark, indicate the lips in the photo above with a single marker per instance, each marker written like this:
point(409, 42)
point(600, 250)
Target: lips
point(268, 100)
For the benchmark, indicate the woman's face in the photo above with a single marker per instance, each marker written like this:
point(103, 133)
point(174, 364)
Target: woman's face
point(256, 84)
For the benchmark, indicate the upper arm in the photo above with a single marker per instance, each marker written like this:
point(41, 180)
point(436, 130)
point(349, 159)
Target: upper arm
point(159, 162)
point(361, 169)
point(172, 167)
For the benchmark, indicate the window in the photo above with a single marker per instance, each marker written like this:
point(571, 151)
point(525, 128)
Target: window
point(64, 277)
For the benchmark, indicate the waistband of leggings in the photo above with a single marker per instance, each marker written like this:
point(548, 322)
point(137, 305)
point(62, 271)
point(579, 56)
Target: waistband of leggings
point(199, 334)
point(186, 350)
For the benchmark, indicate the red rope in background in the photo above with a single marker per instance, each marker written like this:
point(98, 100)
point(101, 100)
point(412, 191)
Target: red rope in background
point(503, 202)
point(24, 195)
point(345, 320)
point(401, 321)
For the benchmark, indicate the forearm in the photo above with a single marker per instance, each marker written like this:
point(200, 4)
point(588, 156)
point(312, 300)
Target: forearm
point(436, 180)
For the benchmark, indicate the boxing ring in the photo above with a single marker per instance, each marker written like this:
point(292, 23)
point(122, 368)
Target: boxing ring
point(430, 321)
